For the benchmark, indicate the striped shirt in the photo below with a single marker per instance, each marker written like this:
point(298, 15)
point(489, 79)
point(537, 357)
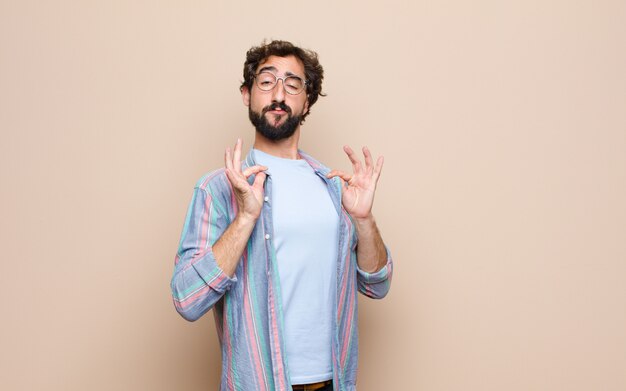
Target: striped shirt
point(248, 307)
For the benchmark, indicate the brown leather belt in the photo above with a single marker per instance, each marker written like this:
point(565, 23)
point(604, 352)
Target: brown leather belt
point(312, 386)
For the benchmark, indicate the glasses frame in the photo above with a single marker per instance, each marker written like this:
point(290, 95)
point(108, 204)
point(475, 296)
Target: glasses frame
point(305, 82)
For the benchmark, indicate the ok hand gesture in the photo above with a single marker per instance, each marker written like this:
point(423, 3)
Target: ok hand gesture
point(358, 194)
point(249, 197)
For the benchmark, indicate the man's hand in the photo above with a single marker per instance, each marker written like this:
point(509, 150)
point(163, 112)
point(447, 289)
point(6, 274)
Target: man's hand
point(249, 197)
point(358, 195)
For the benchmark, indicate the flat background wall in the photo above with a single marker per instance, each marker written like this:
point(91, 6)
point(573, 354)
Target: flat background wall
point(503, 125)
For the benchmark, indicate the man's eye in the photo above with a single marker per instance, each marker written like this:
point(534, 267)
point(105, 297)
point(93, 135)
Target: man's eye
point(293, 82)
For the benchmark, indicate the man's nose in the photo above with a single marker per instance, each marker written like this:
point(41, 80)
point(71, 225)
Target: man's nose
point(279, 91)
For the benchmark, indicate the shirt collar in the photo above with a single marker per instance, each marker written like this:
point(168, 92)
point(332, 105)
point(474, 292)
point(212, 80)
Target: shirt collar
point(317, 166)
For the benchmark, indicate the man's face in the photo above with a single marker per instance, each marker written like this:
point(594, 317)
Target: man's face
point(275, 113)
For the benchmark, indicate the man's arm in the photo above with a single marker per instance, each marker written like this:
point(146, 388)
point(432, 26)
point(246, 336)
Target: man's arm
point(357, 199)
point(205, 267)
point(371, 254)
point(229, 248)
point(374, 265)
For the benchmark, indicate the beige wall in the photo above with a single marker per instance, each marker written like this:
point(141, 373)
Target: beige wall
point(503, 125)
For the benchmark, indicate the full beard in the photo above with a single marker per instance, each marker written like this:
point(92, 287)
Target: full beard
point(269, 131)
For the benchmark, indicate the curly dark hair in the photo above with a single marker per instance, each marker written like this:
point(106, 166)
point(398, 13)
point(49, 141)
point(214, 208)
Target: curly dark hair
point(313, 71)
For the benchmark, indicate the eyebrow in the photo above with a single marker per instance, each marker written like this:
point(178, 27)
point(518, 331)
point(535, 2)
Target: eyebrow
point(273, 69)
point(268, 68)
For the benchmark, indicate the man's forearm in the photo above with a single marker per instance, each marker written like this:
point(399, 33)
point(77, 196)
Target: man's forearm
point(370, 252)
point(229, 247)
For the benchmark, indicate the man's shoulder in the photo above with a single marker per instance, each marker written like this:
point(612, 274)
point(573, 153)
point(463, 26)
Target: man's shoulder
point(214, 181)
point(314, 163)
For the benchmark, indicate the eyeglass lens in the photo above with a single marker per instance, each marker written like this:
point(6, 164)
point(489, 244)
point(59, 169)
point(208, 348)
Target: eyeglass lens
point(292, 84)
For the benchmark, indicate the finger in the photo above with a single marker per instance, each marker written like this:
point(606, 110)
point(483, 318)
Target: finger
point(346, 177)
point(236, 180)
point(237, 156)
point(258, 180)
point(378, 169)
point(228, 160)
point(369, 163)
point(356, 164)
point(253, 170)
point(231, 177)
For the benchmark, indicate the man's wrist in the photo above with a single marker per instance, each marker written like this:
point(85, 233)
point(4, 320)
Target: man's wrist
point(365, 220)
point(245, 220)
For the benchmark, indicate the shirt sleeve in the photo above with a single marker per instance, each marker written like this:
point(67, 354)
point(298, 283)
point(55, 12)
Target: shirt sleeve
point(376, 285)
point(198, 282)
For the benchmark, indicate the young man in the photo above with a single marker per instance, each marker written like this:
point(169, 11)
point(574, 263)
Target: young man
point(279, 245)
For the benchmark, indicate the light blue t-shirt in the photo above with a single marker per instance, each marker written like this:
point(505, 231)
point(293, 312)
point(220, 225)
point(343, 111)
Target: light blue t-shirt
point(306, 237)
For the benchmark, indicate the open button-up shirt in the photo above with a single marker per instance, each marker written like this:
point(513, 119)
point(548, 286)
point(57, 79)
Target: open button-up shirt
point(247, 307)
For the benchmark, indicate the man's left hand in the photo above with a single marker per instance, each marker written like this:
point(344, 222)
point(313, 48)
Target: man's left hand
point(358, 194)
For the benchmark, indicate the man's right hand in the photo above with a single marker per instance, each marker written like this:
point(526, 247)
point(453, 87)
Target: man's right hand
point(249, 197)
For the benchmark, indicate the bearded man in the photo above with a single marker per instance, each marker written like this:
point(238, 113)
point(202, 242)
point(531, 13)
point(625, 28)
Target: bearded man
point(279, 245)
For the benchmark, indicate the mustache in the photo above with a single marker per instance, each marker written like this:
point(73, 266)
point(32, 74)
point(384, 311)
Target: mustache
point(277, 105)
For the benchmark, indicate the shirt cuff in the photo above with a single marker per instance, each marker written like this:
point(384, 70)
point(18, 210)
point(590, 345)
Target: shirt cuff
point(212, 274)
point(378, 276)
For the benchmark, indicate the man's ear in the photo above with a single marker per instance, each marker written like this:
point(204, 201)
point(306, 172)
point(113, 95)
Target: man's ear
point(245, 95)
point(306, 106)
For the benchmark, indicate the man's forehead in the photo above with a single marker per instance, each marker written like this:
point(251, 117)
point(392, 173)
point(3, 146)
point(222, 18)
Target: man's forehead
point(287, 65)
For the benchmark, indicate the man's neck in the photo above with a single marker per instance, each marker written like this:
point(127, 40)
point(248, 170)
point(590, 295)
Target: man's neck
point(285, 148)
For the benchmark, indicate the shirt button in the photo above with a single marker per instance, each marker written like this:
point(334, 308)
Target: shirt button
point(267, 236)
point(267, 199)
